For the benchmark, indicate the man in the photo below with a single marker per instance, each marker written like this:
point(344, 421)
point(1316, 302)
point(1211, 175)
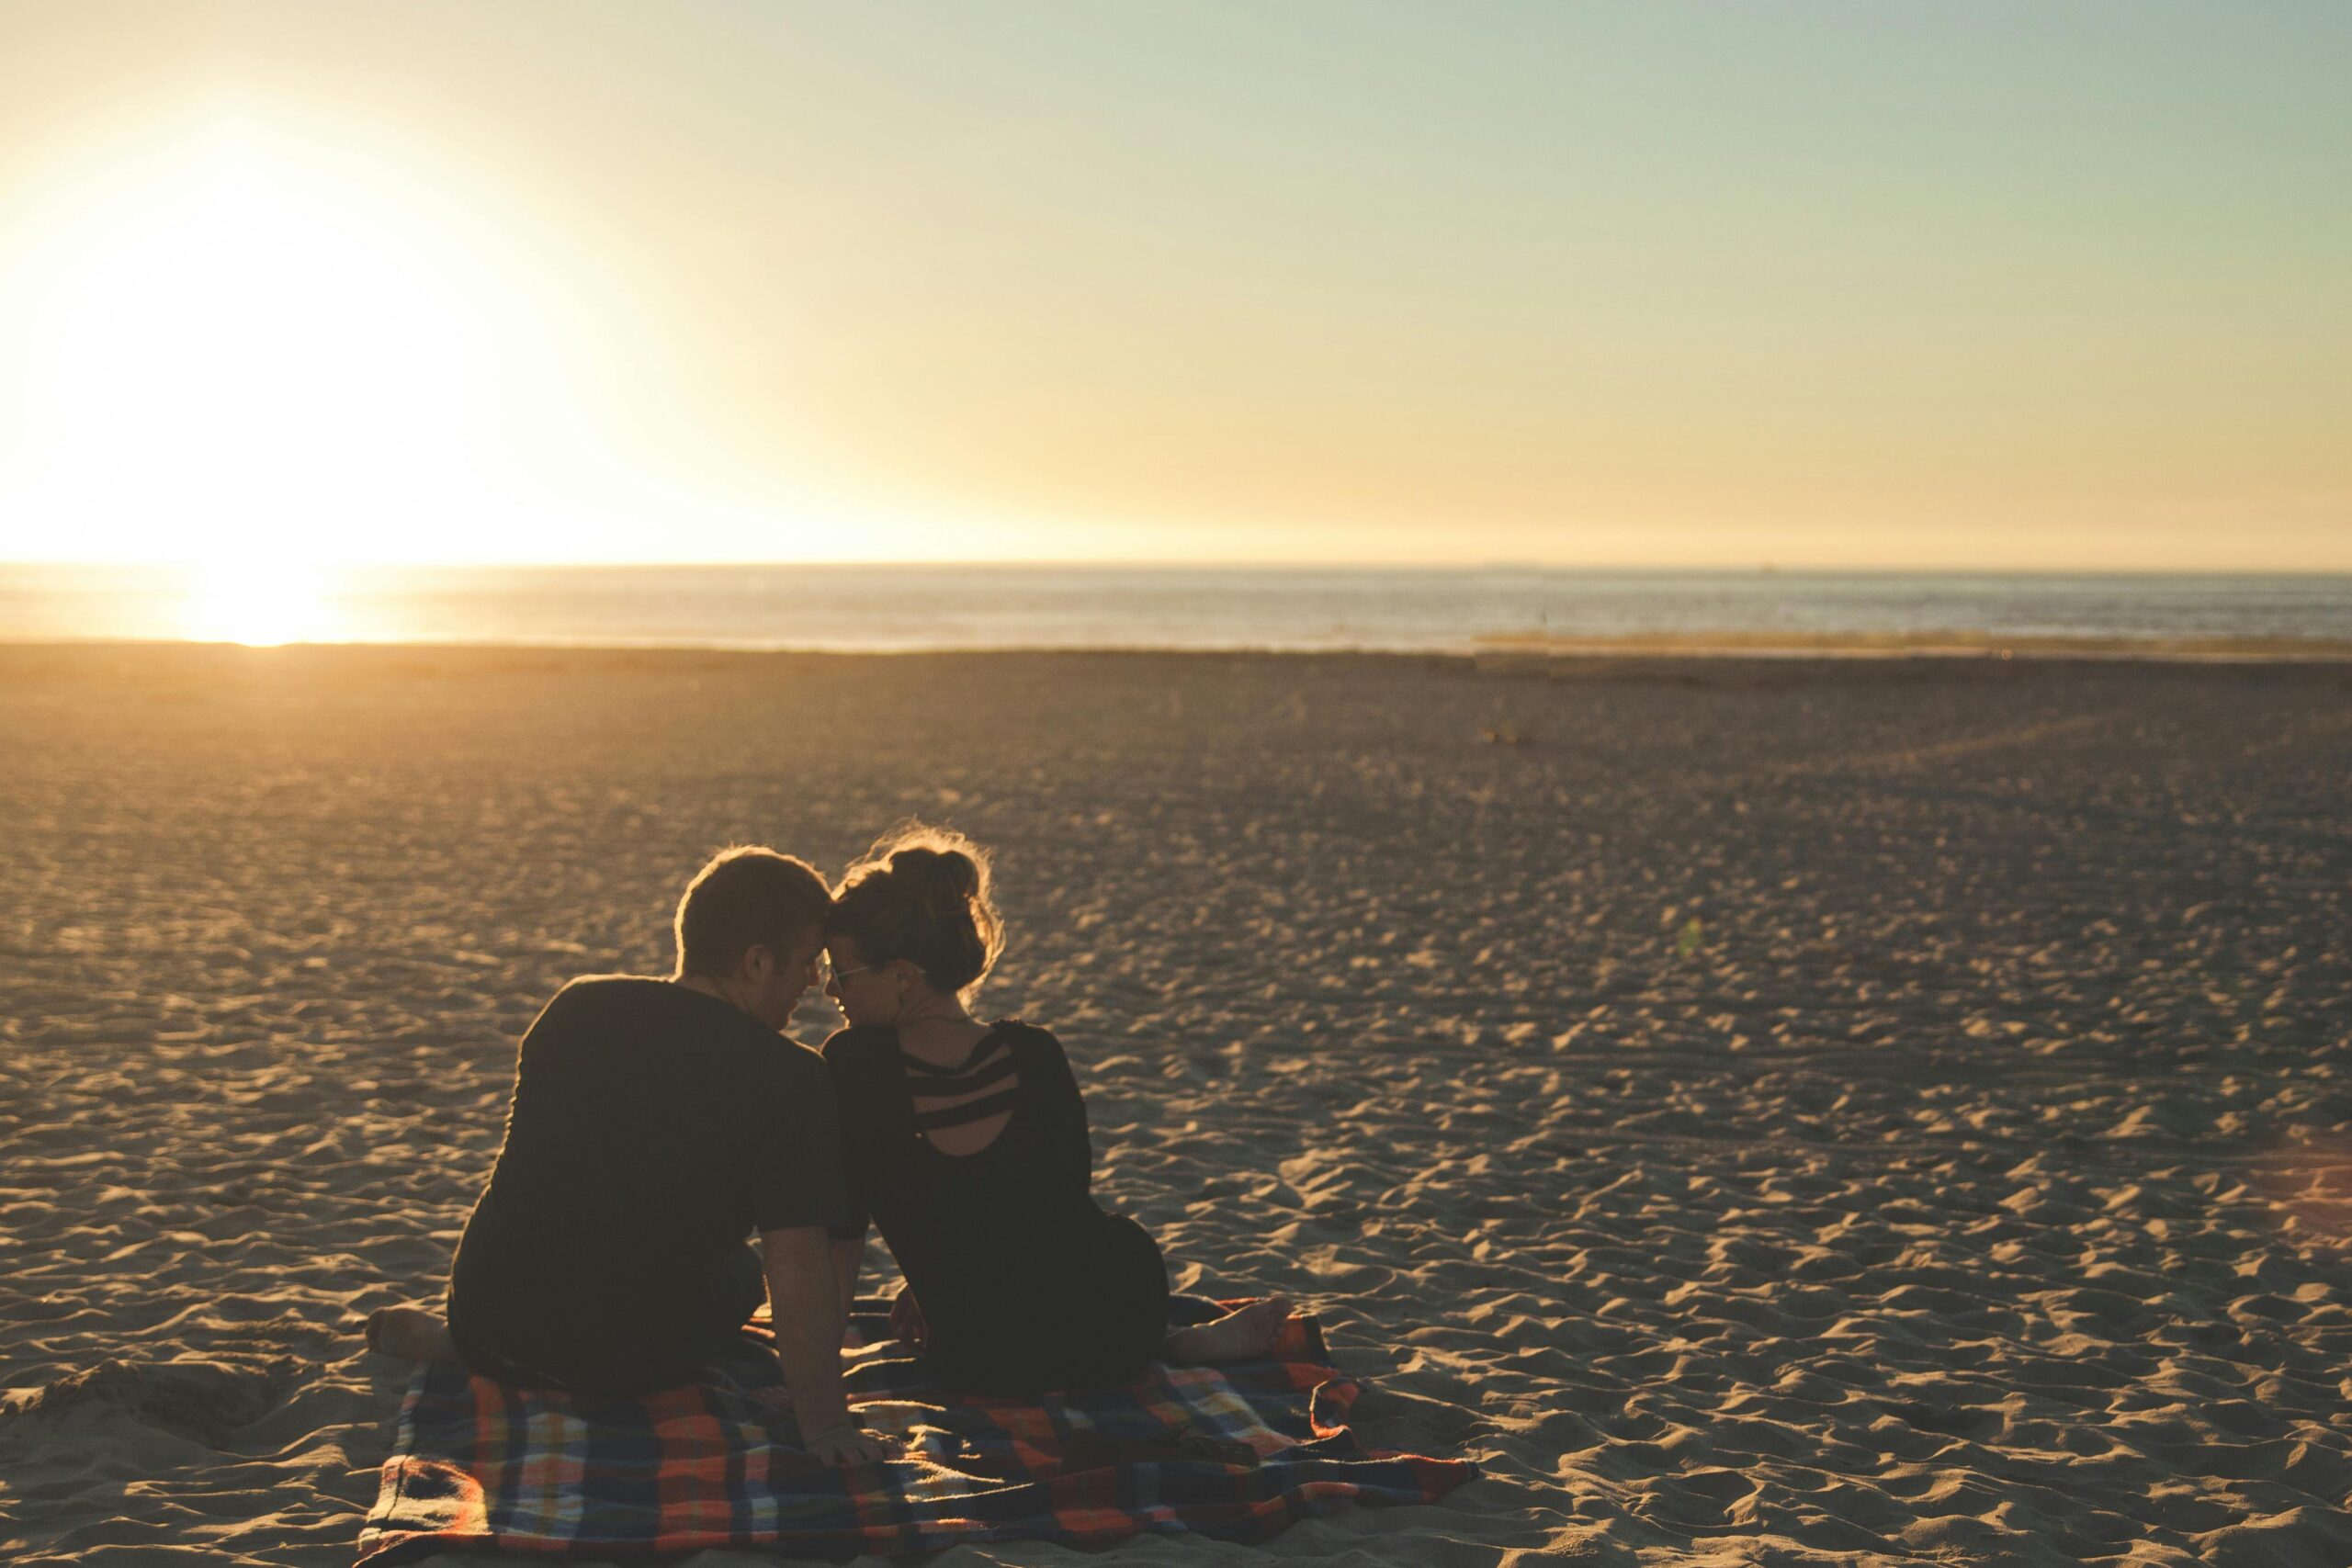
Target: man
point(654, 1124)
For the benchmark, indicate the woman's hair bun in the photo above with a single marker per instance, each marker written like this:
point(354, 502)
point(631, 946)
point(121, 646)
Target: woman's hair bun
point(939, 875)
point(922, 894)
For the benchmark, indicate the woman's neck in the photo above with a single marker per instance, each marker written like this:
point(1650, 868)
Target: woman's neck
point(938, 1025)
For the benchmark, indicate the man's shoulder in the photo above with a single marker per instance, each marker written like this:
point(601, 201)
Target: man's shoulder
point(588, 997)
point(859, 1047)
point(796, 1059)
point(627, 1004)
point(587, 990)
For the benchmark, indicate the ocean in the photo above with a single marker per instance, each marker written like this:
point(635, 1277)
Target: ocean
point(905, 608)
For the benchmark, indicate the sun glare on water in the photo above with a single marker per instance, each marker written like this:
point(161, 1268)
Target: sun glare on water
point(259, 604)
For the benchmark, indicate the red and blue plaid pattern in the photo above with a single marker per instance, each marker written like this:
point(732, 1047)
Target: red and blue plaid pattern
point(1236, 1451)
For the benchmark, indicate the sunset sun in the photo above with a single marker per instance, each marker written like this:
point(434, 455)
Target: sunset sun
point(254, 351)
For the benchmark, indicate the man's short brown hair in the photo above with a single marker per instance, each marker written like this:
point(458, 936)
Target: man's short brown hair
point(746, 897)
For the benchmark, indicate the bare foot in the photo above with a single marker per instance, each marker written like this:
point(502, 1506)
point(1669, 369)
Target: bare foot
point(415, 1333)
point(1241, 1334)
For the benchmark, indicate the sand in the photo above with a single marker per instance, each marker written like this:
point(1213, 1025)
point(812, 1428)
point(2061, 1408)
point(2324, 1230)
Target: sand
point(1766, 1112)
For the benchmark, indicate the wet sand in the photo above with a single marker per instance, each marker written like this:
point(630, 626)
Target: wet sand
point(1774, 1112)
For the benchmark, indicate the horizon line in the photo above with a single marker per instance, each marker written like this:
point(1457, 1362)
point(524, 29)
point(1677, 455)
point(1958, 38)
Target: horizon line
point(1760, 569)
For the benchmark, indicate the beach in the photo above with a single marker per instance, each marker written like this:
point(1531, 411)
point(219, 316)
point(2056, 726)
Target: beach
point(1791, 1110)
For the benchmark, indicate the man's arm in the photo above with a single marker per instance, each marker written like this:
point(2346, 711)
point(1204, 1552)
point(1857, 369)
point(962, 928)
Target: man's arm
point(802, 1294)
point(849, 1256)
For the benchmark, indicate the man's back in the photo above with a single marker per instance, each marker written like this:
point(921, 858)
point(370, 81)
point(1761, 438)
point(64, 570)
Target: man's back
point(652, 1128)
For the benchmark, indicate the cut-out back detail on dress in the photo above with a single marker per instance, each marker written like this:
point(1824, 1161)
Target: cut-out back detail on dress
point(990, 1063)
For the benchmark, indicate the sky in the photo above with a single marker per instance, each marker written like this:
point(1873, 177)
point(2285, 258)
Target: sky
point(1874, 285)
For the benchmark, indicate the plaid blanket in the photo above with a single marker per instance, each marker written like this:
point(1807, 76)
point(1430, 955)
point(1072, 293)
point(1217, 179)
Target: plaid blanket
point(1236, 1451)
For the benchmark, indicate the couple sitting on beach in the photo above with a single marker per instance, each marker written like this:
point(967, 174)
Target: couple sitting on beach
point(655, 1124)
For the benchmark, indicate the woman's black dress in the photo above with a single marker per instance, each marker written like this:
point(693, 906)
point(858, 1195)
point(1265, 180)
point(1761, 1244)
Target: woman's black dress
point(1026, 1285)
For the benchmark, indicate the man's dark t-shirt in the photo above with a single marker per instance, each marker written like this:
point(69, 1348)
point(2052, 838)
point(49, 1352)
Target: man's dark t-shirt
point(652, 1129)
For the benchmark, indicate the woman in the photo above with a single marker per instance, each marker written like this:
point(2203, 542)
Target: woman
point(966, 1146)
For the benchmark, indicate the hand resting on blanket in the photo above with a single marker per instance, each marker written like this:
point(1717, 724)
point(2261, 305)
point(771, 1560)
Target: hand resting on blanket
point(906, 1318)
point(845, 1444)
point(808, 1340)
